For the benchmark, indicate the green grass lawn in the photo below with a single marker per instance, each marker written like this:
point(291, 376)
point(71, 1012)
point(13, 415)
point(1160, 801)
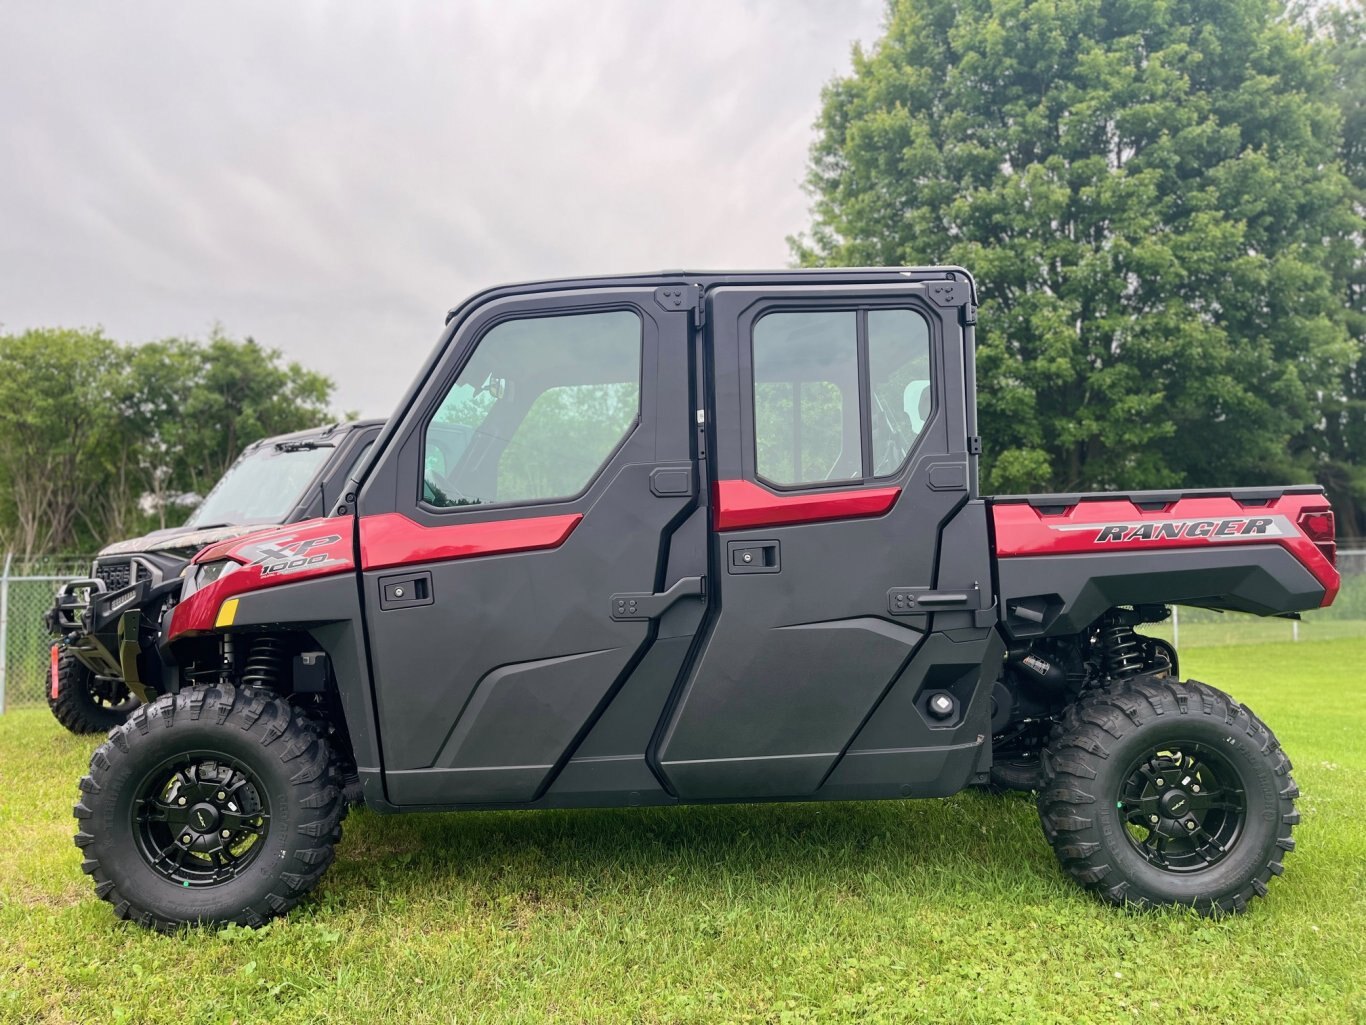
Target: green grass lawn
point(948, 910)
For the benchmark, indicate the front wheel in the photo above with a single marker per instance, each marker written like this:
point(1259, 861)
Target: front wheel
point(84, 702)
point(1158, 792)
point(218, 804)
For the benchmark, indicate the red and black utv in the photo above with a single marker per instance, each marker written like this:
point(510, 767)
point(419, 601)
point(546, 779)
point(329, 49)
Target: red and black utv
point(706, 537)
point(106, 624)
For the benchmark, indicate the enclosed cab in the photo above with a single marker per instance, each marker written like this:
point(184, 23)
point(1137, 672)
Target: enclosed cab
point(704, 537)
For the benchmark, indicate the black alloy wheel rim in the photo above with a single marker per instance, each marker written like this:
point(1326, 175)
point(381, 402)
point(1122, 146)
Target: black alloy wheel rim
point(200, 819)
point(1183, 805)
point(109, 693)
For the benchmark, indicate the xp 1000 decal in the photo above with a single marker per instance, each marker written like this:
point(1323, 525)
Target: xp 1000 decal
point(283, 557)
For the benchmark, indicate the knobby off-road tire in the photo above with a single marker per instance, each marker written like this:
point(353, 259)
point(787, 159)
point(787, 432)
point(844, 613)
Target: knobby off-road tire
point(1158, 792)
point(84, 704)
point(218, 804)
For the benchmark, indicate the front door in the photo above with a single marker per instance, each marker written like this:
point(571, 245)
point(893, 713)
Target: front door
point(840, 454)
point(518, 536)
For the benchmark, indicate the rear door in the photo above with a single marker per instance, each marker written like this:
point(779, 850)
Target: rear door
point(516, 537)
point(840, 447)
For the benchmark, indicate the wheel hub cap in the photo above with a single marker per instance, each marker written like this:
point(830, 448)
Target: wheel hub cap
point(204, 817)
point(1175, 803)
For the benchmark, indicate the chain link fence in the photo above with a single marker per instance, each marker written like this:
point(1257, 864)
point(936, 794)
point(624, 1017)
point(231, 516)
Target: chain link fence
point(1346, 617)
point(27, 590)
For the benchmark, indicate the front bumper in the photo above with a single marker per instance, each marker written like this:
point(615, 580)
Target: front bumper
point(103, 628)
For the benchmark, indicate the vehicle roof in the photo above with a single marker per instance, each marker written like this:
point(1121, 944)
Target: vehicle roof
point(325, 431)
point(714, 278)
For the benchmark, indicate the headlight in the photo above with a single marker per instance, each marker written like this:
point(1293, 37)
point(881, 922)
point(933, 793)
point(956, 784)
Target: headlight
point(211, 571)
point(200, 576)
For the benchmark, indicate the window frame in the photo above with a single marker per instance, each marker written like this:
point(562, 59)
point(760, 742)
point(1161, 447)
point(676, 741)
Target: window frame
point(443, 393)
point(867, 459)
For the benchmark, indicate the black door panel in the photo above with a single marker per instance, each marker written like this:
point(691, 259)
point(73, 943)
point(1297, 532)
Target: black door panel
point(791, 696)
point(803, 647)
point(483, 695)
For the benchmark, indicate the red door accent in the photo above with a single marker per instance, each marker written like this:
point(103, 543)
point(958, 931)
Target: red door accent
point(741, 504)
point(391, 539)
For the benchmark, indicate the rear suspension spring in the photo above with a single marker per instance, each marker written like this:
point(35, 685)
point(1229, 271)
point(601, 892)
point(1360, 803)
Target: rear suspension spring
point(1123, 655)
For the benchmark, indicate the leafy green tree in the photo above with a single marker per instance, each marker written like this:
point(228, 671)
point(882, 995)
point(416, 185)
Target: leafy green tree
point(1152, 198)
point(90, 428)
point(1339, 449)
point(55, 416)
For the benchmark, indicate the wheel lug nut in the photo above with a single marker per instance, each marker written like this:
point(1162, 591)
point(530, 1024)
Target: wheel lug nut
point(1190, 825)
point(1195, 789)
point(225, 834)
point(181, 801)
point(185, 838)
point(221, 795)
point(1162, 782)
point(1152, 818)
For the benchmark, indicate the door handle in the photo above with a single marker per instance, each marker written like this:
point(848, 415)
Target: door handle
point(405, 591)
point(753, 557)
point(918, 601)
point(633, 605)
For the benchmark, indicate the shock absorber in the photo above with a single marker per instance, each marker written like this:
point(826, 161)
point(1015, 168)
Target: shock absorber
point(1123, 655)
point(265, 663)
point(227, 659)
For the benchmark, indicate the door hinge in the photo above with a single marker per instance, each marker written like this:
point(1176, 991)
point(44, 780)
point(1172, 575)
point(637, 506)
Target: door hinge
point(975, 445)
point(680, 298)
point(969, 314)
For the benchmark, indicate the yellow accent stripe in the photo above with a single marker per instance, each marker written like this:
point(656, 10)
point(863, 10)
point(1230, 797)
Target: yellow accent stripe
point(227, 612)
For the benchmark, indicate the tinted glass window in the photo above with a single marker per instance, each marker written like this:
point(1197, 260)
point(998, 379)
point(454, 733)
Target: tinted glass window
point(811, 400)
point(806, 411)
point(537, 410)
point(899, 372)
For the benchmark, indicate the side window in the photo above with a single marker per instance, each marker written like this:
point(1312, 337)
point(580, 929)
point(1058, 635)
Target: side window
point(536, 412)
point(839, 395)
point(899, 375)
point(806, 414)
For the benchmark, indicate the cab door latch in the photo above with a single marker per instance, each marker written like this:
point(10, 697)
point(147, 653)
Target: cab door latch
point(646, 605)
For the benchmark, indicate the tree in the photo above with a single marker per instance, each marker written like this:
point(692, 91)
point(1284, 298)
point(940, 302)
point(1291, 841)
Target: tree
point(1339, 449)
point(55, 414)
point(88, 428)
point(1152, 198)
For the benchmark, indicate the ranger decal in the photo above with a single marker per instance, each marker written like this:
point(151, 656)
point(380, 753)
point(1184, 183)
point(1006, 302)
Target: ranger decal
point(1223, 529)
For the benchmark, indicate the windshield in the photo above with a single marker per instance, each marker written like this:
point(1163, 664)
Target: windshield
point(261, 487)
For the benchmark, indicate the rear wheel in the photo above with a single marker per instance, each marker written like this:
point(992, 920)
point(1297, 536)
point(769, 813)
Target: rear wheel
point(214, 805)
point(1157, 792)
point(86, 703)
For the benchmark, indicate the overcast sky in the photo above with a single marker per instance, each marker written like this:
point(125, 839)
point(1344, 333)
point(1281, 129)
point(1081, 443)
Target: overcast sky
point(330, 178)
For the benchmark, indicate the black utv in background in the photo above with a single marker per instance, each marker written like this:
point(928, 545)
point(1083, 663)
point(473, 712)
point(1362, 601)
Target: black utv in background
point(100, 660)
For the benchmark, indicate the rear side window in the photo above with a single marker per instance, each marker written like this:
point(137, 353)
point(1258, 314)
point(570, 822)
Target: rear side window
point(899, 379)
point(536, 412)
point(839, 395)
point(806, 409)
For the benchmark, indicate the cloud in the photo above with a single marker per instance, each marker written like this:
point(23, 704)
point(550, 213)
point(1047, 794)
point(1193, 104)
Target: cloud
point(330, 178)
